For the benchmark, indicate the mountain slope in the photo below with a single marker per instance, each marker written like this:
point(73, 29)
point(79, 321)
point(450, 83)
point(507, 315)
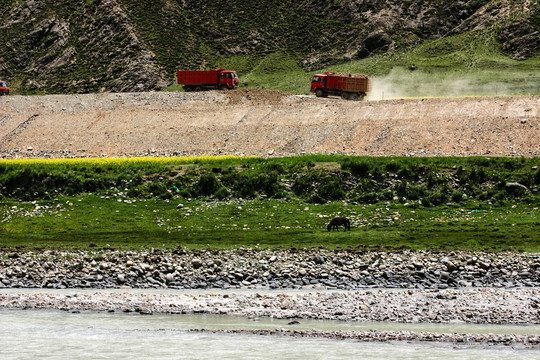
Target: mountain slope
point(54, 46)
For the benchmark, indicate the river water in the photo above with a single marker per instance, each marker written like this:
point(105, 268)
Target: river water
point(54, 334)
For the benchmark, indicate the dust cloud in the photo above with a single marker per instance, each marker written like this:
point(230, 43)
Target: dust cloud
point(404, 83)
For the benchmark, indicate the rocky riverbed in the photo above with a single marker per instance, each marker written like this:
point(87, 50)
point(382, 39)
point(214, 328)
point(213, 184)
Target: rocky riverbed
point(465, 317)
point(267, 268)
point(434, 287)
point(477, 306)
point(386, 336)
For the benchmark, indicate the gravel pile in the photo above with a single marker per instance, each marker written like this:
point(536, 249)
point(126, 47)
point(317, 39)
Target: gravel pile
point(267, 268)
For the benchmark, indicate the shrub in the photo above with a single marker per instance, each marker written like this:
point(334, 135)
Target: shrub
point(222, 193)
point(368, 198)
point(418, 171)
point(401, 189)
point(186, 193)
point(319, 186)
point(304, 184)
point(415, 192)
point(248, 183)
point(157, 189)
point(134, 192)
point(166, 195)
point(426, 201)
point(366, 185)
point(386, 195)
point(359, 168)
point(516, 192)
point(330, 189)
point(510, 164)
point(208, 184)
point(273, 167)
point(457, 196)
point(477, 175)
point(392, 167)
point(437, 198)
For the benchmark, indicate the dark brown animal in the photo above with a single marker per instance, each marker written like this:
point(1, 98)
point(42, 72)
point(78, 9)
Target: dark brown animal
point(337, 221)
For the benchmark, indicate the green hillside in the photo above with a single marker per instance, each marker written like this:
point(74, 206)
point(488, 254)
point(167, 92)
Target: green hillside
point(461, 65)
point(52, 46)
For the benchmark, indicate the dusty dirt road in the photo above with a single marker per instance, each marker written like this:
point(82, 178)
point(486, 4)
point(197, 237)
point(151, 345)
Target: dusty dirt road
point(266, 123)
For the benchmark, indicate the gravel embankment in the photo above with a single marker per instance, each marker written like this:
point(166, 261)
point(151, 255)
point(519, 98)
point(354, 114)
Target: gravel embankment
point(269, 268)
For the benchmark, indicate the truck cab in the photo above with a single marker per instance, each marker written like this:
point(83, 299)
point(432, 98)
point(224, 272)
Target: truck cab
point(4, 89)
point(318, 84)
point(229, 79)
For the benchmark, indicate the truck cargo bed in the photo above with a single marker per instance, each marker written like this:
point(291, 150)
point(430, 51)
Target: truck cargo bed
point(349, 82)
point(197, 77)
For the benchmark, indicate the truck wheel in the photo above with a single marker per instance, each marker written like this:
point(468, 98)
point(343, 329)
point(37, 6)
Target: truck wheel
point(345, 95)
point(355, 97)
point(198, 88)
point(223, 87)
point(319, 93)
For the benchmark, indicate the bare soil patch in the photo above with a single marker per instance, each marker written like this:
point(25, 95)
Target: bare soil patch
point(265, 123)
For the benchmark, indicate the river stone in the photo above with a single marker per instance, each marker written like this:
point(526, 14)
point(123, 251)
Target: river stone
point(196, 263)
point(445, 276)
point(451, 266)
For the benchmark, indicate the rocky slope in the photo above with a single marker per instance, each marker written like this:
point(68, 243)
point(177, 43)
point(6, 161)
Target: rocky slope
point(119, 45)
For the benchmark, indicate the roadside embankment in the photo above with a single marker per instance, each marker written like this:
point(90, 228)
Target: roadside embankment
point(265, 123)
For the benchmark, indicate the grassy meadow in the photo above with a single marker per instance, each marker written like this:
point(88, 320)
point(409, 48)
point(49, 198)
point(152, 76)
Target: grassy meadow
point(227, 202)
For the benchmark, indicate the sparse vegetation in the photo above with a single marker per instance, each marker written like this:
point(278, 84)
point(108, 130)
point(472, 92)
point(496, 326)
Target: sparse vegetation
point(457, 203)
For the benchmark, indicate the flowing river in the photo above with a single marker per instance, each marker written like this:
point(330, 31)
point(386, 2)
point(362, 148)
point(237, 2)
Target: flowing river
point(55, 334)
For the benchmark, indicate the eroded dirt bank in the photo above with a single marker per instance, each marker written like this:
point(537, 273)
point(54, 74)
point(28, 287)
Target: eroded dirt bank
point(257, 122)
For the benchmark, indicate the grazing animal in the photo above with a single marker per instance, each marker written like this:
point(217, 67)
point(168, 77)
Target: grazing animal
point(335, 222)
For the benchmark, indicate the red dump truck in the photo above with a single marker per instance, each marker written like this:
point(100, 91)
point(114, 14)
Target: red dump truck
point(199, 80)
point(348, 86)
point(4, 90)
